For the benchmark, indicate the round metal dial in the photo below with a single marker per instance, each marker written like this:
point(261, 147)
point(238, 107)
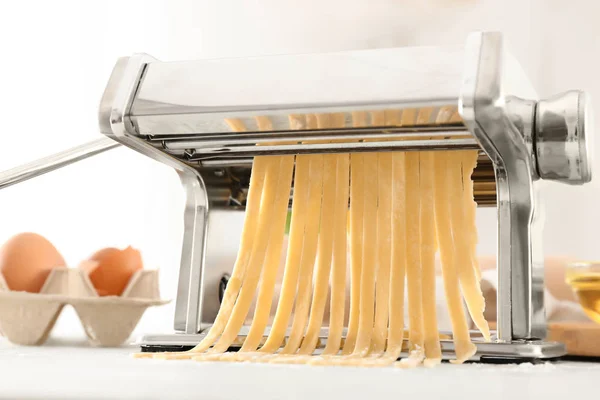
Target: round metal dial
point(562, 138)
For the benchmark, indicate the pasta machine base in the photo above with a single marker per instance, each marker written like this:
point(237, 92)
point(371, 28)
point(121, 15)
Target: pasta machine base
point(495, 351)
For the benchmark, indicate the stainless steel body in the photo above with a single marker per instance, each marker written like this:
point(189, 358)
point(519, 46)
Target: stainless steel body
point(177, 114)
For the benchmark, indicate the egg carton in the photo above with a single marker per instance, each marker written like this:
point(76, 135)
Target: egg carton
point(27, 318)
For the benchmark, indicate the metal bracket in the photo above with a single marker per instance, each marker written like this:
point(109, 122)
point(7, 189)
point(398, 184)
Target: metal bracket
point(115, 107)
point(520, 258)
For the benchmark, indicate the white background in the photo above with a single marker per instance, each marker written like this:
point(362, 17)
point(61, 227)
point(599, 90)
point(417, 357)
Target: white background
point(56, 58)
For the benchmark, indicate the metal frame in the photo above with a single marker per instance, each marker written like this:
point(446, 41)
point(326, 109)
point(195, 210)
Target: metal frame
point(115, 107)
point(519, 255)
point(482, 106)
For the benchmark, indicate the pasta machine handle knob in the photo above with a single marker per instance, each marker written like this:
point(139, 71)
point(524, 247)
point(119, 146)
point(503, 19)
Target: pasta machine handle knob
point(562, 144)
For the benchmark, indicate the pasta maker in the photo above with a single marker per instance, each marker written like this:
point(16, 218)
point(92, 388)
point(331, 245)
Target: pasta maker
point(176, 112)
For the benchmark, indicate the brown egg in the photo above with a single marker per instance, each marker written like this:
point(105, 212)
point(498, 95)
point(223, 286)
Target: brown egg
point(111, 269)
point(26, 260)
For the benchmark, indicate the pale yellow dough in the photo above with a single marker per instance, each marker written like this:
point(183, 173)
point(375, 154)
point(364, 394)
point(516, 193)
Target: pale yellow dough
point(404, 207)
point(398, 266)
point(309, 251)
point(384, 246)
point(271, 225)
point(413, 234)
point(462, 341)
point(369, 254)
point(364, 335)
point(338, 272)
point(383, 255)
point(464, 244)
point(433, 351)
point(269, 274)
point(325, 249)
point(298, 227)
point(359, 119)
point(469, 164)
point(294, 255)
point(249, 231)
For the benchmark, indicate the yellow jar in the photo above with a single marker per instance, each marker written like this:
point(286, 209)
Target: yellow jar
point(584, 278)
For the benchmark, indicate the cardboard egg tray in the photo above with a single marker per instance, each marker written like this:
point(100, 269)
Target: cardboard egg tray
point(27, 318)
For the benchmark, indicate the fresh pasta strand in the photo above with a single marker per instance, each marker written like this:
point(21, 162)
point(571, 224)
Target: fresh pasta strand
point(249, 231)
point(256, 259)
point(423, 117)
point(274, 225)
point(294, 255)
point(455, 117)
point(464, 230)
point(359, 119)
point(338, 272)
point(463, 245)
point(369, 254)
point(324, 258)
point(384, 245)
point(413, 267)
point(242, 305)
point(366, 310)
point(366, 297)
point(398, 267)
point(446, 115)
point(413, 235)
point(468, 166)
point(325, 248)
point(267, 284)
point(288, 355)
point(433, 352)
point(309, 251)
point(367, 279)
point(395, 336)
point(269, 274)
point(399, 250)
point(462, 341)
point(338, 275)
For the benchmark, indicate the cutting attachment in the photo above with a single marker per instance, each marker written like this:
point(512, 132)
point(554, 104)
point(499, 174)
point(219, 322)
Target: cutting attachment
point(181, 114)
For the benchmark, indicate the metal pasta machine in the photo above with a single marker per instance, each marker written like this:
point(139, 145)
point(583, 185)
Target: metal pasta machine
point(175, 113)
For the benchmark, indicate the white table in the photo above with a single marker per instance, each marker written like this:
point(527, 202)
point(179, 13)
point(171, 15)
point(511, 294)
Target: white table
point(70, 369)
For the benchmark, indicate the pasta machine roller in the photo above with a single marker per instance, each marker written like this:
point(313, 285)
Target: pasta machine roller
point(176, 113)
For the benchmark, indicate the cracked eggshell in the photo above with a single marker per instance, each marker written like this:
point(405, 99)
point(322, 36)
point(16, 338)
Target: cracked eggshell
point(111, 269)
